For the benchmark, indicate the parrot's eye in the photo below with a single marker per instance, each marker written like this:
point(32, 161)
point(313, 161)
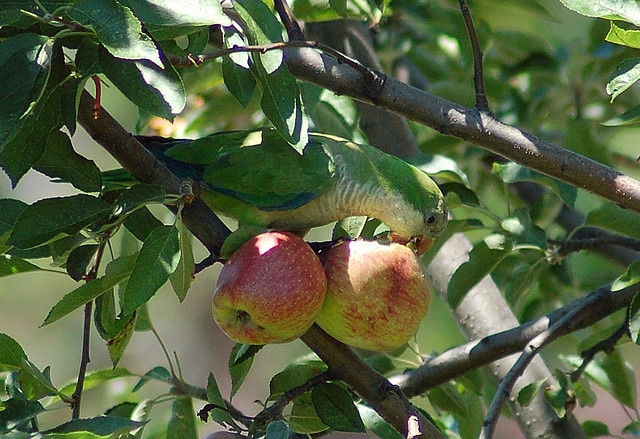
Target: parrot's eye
point(431, 219)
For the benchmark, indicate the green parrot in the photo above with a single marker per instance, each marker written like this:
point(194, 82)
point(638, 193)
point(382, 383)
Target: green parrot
point(258, 179)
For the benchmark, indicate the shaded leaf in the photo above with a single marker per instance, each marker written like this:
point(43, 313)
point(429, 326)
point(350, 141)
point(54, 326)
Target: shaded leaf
point(595, 428)
point(449, 399)
point(182, 424)
point(11, 353)
point(98, 427)
point(60, 160)
point(12, 265)
point(158, 258)
point(295, 375)
point(182, 278)
point(513, 173)
point(51, 218)
point(16, 412)
point(483, 258)
point(25, 65)
point(240, 361)
point(96, 378)
point(303, 418)
point(277, 430)
point(118, 270)
point(79, 260)
point(629, 117)
point(136, 196)
point(117, 344)
point(336, 408)
point(178, 12)
point(612, 217)
point(214, 396)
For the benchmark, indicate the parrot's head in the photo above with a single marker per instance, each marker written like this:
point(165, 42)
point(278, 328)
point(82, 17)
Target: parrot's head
point(419, 213)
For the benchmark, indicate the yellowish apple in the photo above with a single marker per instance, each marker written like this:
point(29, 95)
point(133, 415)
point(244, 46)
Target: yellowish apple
point(377, 294)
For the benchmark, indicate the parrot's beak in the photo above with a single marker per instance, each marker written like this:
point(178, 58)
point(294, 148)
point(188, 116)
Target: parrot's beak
point(423, 244)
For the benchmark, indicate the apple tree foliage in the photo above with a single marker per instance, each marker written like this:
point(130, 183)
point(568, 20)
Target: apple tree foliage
point(559, 76)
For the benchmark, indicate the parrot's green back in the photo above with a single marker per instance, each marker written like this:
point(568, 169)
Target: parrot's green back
point(257, 178)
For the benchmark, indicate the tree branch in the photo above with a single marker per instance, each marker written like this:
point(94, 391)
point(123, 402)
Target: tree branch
point(476, 127)
point(375, 389)
point(144, 167)
point(601, 303)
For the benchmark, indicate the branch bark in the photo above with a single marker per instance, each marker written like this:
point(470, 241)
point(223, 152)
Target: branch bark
point(471, 125)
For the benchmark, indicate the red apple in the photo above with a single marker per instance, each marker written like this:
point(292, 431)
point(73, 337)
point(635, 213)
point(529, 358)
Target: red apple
point(270, 290)
point(377, 294)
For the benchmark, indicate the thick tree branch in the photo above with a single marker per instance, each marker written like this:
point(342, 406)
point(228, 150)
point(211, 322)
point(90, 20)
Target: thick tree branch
point(118, 142)
point(345, 365)
point(476, 127)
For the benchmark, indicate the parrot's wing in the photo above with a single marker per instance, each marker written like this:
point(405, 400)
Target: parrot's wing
point(259, 168)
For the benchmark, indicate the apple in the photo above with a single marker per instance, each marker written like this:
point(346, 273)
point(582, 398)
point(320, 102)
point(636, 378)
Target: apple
point(377, 294)
point(270, 290)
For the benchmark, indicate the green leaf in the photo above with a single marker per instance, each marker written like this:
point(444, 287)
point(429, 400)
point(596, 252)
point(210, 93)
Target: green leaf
point(136, 196)
point(10, 210)
point(60, 160)
point(158, 258)
point(512, 173)
point(36, 384)
point(612, 217)
point(12, 265)
point(214, 396)
point(96, 378)
point(240, 361)
point(118, 271)
point(11, 353)
point(624, 76)
point(281, 101)
point(282, 104)
point(25, 149)
point(141, 223)
point(16, 413)
point(595, 428)
point(376, 424)
point(117, 345)
point(157, 373)
point(303, 418)
point(51, 218)
point(618, 35)
point(336, 409)
point(295, 375)
point(528, 392)
point(277, 430)
point(611, 9)
point(79, 260)
point(178, 12)
point(632, 428)
point(633, 316)
point(629, 117)
point(25, 65)
point(621, 378)
point(117, 28)
point(340, 6)
point(483, 258)
point(182, 424)
point(628, 278)
point(239, 81)
point(182, 278)
point(449, 399)
point(98, 427)
point(157, 90)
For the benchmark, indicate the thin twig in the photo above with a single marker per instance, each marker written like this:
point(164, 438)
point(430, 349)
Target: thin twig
point(607, 345)
point(599, 238)
point(478, 76)
point(530, 351)
point(85, 359)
